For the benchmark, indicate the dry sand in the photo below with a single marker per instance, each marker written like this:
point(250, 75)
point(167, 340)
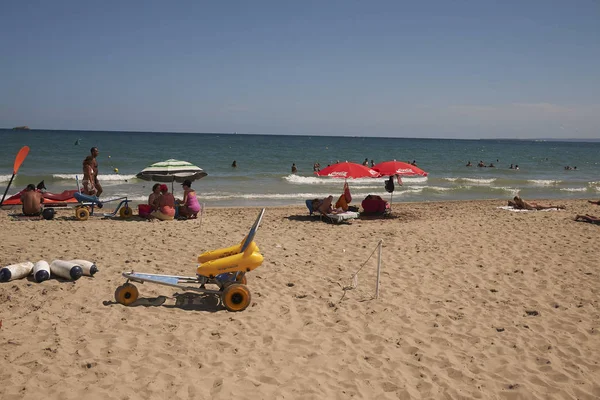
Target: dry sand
point(475, 302)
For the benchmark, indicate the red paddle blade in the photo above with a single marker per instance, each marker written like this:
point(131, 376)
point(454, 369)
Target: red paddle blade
point(21, 155)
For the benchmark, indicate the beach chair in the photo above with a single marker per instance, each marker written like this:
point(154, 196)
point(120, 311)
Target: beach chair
point(331, 218)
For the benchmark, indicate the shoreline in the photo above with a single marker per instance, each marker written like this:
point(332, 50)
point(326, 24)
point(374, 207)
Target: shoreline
point(475, 302)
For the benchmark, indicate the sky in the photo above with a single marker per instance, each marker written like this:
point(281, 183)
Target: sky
point(435, 69)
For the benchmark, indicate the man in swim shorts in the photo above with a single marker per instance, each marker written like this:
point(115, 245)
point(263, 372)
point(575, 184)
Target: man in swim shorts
point(91, 185)
point(32, 201)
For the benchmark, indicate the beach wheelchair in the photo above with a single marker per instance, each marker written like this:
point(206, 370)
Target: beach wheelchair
point(224, 269)
point(86, 205)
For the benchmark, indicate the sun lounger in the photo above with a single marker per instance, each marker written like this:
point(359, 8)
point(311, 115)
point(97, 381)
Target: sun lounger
point(336, 218)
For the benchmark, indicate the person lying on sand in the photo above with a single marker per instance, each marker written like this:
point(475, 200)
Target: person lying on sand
point(594, 202)
point(521, 204)
point(588, 218)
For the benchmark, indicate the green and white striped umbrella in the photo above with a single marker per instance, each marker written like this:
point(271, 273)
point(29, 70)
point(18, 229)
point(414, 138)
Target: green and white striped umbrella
point(171, 170)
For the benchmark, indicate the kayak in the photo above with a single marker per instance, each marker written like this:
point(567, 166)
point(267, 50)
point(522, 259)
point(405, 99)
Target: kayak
point(50, 199)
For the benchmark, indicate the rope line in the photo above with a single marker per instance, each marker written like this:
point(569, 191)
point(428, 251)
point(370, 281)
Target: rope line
point(354, 277)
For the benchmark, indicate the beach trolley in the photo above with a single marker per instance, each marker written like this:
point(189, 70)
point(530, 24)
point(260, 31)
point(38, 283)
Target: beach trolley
point(86, 205)
point(225, 269)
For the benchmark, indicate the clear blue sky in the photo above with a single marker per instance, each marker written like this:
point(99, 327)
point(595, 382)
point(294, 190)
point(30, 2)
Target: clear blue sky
point(458, 69)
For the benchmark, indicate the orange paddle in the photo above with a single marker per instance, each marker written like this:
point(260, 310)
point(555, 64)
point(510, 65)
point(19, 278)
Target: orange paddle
point(21, 155)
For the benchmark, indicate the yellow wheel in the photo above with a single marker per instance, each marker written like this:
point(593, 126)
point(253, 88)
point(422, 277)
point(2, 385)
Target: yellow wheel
point(236, 297)
point(126, 294)
point(126, 212)
point(82, 213)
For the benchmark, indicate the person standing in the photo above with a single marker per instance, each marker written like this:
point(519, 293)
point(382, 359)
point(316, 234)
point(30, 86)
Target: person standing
point(294, 169)
point(91, 185)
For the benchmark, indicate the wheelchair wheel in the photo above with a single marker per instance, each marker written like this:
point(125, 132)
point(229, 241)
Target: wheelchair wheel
point(236, 297)
point(126, 294)
point(82, 213)
point(126, 212)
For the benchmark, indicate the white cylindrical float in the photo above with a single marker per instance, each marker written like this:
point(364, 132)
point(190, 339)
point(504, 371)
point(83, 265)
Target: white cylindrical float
point(15, 271)
point(66, 269)
point(89, 268)
point(41, 271)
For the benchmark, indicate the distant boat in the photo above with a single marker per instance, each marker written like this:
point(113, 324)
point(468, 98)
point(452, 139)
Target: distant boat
point(21, 128)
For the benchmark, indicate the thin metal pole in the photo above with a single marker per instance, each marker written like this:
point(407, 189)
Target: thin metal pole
point(378, 269)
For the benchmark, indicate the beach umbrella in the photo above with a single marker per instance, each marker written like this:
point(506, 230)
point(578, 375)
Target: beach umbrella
point(171, 171)
point(348, 170)
point(398, 168)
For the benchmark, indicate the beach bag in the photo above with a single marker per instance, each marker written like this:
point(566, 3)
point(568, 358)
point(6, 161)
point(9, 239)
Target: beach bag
point(389, 185)
point(144, 210)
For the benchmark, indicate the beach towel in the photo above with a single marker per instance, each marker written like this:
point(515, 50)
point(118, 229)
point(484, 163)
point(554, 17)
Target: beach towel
point(511, 208)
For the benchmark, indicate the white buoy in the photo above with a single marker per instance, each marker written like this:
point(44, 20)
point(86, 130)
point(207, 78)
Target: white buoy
point(89, 268)
point(41, 271)
point(66, 269)
point(15, 271)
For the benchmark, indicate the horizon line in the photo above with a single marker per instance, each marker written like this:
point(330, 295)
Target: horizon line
point(297, 134)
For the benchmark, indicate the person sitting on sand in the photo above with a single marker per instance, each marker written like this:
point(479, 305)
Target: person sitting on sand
point(165, 207)
point(32, 201)
point(153, 198)
point(588, 218)
point(594, 202)
point(521, 204)
point(189, 206)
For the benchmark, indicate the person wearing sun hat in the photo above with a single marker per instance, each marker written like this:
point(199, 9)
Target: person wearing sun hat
point(166, 205)
point(189, 206)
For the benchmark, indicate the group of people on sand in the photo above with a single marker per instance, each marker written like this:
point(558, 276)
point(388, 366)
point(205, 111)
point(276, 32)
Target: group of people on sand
point(520, 204)
point(163, 203)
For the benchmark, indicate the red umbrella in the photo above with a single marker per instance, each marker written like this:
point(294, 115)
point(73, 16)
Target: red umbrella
point(398, 168)
point(348, 170)
point(394, 167)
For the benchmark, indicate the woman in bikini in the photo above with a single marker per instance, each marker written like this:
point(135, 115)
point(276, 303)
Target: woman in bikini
point(189, 206)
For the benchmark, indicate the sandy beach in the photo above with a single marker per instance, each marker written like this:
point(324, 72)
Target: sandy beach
point(475, 302)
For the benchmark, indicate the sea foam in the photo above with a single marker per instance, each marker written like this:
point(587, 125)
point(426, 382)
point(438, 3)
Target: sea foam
point(108, 177)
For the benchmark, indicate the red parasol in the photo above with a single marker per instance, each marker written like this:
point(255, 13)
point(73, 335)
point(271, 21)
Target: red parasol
point(348, 170)
point(389, 168)
point(398, 168)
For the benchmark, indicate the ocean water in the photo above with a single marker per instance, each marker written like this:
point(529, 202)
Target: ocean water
point(263, 176)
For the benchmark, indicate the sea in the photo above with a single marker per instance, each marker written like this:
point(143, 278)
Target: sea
point(263, 174)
